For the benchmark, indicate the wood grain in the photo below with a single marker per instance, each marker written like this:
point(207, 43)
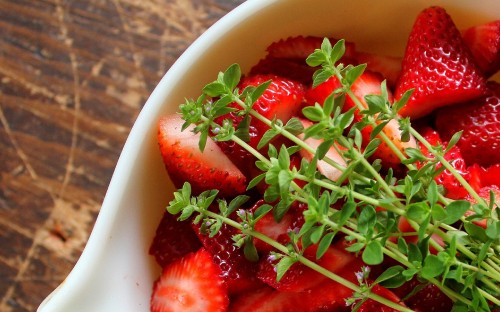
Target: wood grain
point(74, 75)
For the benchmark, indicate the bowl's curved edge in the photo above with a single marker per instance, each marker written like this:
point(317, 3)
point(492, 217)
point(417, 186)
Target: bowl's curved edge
point(86, 272)
point(63, 298)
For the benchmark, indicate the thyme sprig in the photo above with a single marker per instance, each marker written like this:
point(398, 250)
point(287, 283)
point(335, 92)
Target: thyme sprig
point(466, 268)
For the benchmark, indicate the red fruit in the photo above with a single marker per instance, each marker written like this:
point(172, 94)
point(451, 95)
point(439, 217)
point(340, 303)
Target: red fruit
point(427, 299)
point(438, 65)
point(238, 273)
point(191, 283)
point(369, 83)
point(453, 188)
point(282, 100)
point(324, 168)
point(173, 240)
point(480, 122)
point(371, 305)
point(388, 66)
point(270, 300)
point(301, 47)
point(300, 277)
point(287, 58)
point(484, 43)
point(484, 193)
point(206, 170)
point(485, 176)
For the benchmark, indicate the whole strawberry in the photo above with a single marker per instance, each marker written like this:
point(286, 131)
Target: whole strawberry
point(437, 65)
point(480, 122)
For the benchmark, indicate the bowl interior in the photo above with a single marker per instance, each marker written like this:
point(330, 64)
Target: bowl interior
point(115, 272)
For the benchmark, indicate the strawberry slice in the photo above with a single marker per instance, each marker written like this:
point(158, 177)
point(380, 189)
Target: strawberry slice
point(301, 47)
point(287, 58)
point(281, 100)
point(485, 176)
point(206, 170)
point(324, 168)
point(427, 298)
point(238, 273)
point(370, 83)
point(191, 283)
point(300, 277)
point(484, 193)
point(480, 122)
point(388, 66)
point(438, 65)
point(267, 225)
point(484, 42)
point(453, 188)
point(173, 240)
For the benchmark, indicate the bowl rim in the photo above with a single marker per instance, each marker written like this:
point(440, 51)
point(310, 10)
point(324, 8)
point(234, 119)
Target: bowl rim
point(65, 294)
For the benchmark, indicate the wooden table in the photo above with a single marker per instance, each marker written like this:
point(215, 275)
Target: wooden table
point(74, 75)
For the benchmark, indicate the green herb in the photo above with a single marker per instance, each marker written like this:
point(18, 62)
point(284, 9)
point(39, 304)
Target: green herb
point(467, 268)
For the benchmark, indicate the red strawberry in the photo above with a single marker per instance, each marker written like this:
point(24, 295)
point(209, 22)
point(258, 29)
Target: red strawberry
point(453, 189)
point(267, 225)
point(270, 300)
point(371, 305)
point(484, 42)
point(370, 83)
point(301, 47)
point(282, 100)
point(388, 66)
point(324, 168)
point(299, 277)
point(485, 176)
point(238, 273)
point(480, 122)
point(287, 57)
point(191, 283)
point(185, 162)
point(173, 239)
point(428, 297)
point(484, 193)
point(438, 65)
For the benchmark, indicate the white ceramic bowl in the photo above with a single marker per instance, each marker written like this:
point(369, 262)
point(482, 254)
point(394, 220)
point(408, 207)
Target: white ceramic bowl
point(115, 272)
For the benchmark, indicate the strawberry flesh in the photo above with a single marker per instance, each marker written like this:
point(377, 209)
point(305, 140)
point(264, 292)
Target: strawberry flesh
point(173, 239)
point(184, 161)
point(484, 42)
point(480, 122)
point(191, 283)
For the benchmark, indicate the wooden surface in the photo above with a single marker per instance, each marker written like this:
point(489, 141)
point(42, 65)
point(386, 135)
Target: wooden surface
point(74, 75)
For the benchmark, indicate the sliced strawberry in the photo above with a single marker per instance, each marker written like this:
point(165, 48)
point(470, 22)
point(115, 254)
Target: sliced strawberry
point(278, 231)
point(300, 277)
point(453, 188)
point(369, 83)
point(437, 65)
point(301, 47)
point(287, 58)
point(319, 93)
point(238, 273)
point(405, 227)
point(173, 240)
point(282, 100)
point(426, 297)
point(388, 66)
point(480, 122)
point(270, 300)
point(484, 42)
point(484, 193)
point(185, 162)
point(191, 283)
point(324, 168)
point(485, 176)
point(371, 305)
